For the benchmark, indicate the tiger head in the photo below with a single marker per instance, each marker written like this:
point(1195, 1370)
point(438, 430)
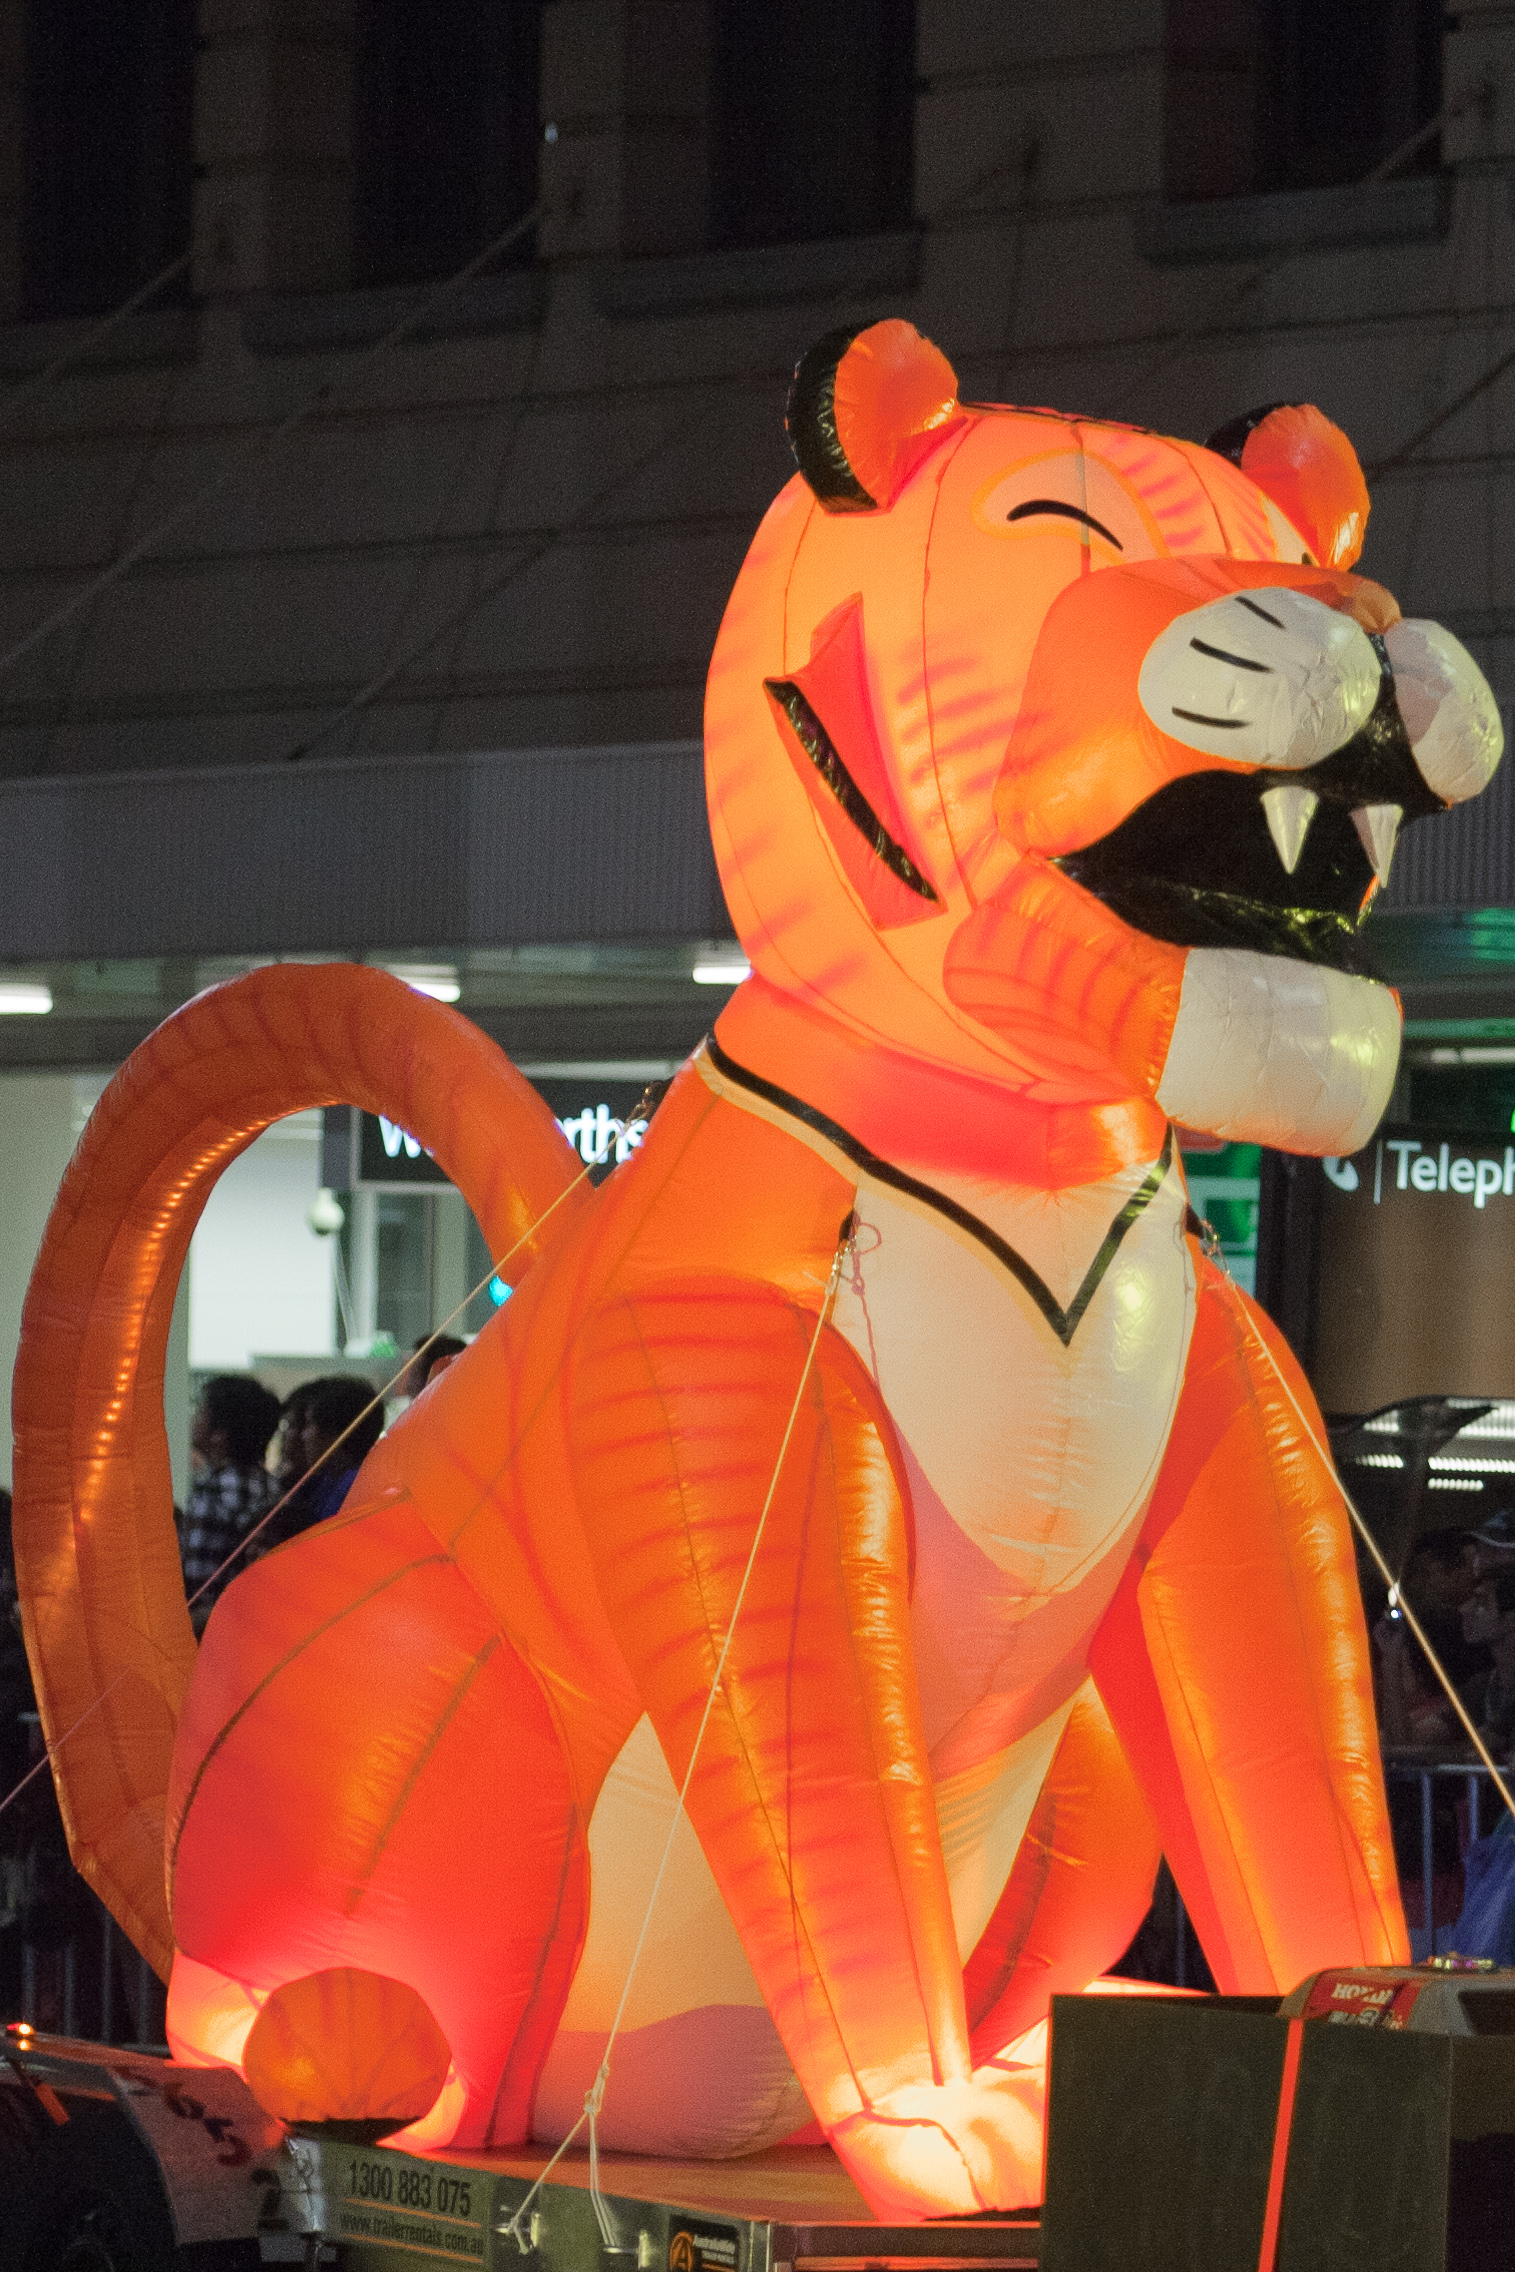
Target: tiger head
point(1070, 758)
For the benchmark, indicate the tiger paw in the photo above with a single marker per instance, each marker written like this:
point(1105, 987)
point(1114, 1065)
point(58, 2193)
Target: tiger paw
point(345, 2046)
point(947, 2149)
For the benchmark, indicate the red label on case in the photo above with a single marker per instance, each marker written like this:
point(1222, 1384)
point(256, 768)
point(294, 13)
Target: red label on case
point(1355, 1999)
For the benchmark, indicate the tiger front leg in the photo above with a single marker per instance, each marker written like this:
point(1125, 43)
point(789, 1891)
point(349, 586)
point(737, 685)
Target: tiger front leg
point(1234, 1664)
point(811, 1794)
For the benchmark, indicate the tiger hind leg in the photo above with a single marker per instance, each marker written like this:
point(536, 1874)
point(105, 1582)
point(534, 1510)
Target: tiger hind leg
point(369, 1781)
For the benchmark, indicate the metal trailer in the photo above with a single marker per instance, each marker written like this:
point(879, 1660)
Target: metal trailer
point(121, 2161)
point(1367, 2121)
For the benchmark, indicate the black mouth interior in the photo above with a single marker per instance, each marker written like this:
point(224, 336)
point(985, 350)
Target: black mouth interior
point(1196, 866)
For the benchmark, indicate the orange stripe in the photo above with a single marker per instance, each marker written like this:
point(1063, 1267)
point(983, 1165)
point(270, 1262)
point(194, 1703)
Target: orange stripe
point(1279, 2170)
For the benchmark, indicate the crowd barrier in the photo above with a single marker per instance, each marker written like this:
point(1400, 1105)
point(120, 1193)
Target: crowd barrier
point(94, 1983)
point(1480, 1800)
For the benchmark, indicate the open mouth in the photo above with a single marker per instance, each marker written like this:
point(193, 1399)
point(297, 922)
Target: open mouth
point(1284, 863)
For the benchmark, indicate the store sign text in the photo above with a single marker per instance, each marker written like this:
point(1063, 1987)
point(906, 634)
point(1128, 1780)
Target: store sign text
point(389, 1157)
point(1414, 1166)
point(398, 1140)
point(597, 1136)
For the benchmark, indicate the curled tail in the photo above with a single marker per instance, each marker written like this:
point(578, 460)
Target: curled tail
point(97, 1557)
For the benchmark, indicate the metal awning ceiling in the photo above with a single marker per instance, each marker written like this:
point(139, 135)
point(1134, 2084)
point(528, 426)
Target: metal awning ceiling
point(474, 849)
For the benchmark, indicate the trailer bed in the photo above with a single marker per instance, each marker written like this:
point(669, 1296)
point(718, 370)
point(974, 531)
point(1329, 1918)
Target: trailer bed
point(791, 2209)
point(316, 2198)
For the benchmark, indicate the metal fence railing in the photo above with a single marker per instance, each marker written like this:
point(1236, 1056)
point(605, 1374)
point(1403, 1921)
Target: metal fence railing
point(107, 1992)
point(1438, 1780)
point(66, 1967)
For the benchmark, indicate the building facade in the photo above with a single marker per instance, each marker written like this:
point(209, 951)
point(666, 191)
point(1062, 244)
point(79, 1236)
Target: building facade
point(353, 605)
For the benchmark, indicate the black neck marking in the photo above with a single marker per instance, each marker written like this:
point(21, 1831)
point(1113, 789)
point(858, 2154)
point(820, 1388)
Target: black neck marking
point(1064, 1322)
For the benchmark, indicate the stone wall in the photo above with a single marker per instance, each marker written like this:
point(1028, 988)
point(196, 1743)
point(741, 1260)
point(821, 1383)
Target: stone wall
point(529, 513)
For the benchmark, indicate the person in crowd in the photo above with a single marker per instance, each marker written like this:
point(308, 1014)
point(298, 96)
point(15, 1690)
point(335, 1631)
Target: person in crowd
point(1494, 1544)
point(17, 1702)
point(1439, 1580)
point(1415, 1712)
point(288, 1457)
point(43, 1902)
point(326, 1431)
point(1489, 1620)
point(433, 1351)
point(232, 1489)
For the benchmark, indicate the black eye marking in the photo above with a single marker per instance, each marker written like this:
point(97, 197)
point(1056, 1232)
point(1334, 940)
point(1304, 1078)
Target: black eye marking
point(1242, 662)
point(1243, 601)
point(826, 758)
point(1198, 718)
point(1066, 513)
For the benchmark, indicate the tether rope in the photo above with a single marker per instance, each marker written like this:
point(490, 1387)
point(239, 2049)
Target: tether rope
point(594, 2097)
point(1397, 1598)
point(262, 442)
point(82, 349)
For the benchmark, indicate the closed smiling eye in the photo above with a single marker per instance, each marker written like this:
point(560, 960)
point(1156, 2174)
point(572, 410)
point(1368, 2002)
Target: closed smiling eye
point(1242, 662)
point(1060, 511)
point(1239, 662)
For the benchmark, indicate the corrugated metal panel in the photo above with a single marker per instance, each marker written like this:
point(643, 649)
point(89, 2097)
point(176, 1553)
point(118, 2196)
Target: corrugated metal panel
point(595, 844)
point(493, 848)
point(1464, 858)
point(531, 1033)
point(480, 849)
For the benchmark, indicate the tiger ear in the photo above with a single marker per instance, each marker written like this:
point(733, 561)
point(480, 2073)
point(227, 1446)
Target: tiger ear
point(865, 407)
point(1309, 469)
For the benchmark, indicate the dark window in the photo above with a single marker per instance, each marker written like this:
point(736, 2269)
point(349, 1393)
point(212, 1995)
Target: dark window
point(403, 1267)
point(107, 160)
point(446, 132)
point(811, 118)
point(1348, 81)
point(1295, 94)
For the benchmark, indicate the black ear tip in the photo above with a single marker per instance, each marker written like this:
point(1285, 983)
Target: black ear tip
point(817, 366)
point(810, 420)
point(1230, 440)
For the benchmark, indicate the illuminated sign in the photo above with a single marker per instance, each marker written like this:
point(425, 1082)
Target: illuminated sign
point(1417, 1164)
point(600, 1138)
point(1415, 1271)
point(602, 1120)
point(390, 1158)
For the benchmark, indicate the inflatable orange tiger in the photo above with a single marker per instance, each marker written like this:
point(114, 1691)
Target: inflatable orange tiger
point(1052, 768)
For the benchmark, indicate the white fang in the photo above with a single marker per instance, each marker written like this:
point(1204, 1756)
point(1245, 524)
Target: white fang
point(1289, 814)
point(1378, 827)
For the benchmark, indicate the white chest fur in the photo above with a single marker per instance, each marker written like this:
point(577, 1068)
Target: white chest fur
point(1031, 1458)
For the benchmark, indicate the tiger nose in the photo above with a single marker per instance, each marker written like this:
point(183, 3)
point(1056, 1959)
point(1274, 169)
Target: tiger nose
point(1369, 604)
point(1450, 716)
point(1434, 739)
